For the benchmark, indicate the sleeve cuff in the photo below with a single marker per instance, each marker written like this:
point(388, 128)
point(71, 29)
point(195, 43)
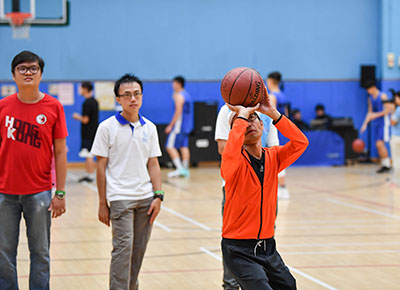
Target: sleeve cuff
point(239, 118)
point(276, 122)
point(243, 118)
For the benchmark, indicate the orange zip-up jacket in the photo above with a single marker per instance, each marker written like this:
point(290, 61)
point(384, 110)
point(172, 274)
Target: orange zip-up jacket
point(250, 207)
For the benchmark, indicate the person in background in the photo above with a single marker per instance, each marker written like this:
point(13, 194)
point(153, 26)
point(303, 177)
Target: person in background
point(298, 121)
point(89, 121)
point(395, 140)
point(179, 128)
point(322, 120)
point(278, 100)
point(377, 115)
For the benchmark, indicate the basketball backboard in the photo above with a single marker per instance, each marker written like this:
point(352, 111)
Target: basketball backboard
point(43, 12)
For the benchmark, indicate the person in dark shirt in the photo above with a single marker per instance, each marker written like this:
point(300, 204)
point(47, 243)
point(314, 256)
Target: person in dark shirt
point(89, 121)
point(297, 120)
point(322, 121)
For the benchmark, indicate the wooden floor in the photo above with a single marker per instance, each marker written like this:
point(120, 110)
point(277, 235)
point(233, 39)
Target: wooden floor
point(339, 230)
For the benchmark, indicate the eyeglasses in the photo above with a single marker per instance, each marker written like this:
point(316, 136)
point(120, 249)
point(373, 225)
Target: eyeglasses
point(253, 117)
point(24, 69)
point(128, 96)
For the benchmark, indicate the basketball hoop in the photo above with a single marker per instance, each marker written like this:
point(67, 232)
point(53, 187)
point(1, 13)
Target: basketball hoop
point(19, 24)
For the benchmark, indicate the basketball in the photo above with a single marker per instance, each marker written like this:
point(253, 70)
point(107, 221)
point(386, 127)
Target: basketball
point(242, 86)
point(358, 146)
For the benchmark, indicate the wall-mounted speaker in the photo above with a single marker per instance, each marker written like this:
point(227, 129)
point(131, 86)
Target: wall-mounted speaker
point(367, 75)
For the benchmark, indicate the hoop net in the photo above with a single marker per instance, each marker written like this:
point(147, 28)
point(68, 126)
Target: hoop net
point(19, 24)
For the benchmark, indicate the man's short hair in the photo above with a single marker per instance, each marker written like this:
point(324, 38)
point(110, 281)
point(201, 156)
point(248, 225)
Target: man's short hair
point(180, 80)
point(87, 85)
point(319, 107)
point(276, 76)
point(26, 56)
point(127, 78)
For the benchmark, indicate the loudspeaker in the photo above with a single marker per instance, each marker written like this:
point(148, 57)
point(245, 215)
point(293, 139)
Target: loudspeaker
point(344, 127)
point(203, 148)
point(367, 75)
point(164, 160)
point(205, 117)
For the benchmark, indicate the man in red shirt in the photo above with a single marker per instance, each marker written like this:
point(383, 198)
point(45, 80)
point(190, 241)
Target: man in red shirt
point(32, 130)
point(251, 176)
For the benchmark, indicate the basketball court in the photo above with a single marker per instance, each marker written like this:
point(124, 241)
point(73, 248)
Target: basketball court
point(339, 230)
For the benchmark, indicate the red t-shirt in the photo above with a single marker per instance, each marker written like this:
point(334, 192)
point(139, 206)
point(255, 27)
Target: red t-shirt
point(27, 132)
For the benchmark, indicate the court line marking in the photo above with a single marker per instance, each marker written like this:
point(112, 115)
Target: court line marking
point(363, 208)
point(177, 214)
point(205, 270)
point(326, 245)
point(211, 250)
point(315, 280)
point(215, 256)
point(342, 226)
point(286, 222)
point(301, 273)
point(341, 195)
point(186, 218)
point(338, 252)
point(165, 228)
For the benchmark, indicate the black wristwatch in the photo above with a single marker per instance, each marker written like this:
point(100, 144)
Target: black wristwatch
point(159, 194)
point(60, 194)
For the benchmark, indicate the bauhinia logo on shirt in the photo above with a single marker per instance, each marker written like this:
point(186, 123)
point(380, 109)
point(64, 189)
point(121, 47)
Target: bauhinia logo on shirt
point(22, 131)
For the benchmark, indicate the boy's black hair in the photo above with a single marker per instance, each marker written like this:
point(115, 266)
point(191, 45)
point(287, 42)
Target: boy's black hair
point(277, 76)
point(394, 93)
point(87, 85)
point(180, 80)
point(26, 56)
point(319, 107)
point(127, 78)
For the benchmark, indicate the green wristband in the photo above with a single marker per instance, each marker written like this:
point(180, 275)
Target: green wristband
point(159, 192)
point(60, 194)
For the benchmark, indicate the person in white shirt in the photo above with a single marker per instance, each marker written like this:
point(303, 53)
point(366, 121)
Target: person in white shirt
point(128, 181)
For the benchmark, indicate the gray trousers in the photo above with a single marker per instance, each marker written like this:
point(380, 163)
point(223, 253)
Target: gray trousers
point(131, 231)
point(229, 281)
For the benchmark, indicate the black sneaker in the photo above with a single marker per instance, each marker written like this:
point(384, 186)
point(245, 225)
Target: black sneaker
point(85, 179)
point(383, 169)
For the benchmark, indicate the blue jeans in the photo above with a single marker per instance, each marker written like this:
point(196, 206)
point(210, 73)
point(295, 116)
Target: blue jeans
point(34, 208)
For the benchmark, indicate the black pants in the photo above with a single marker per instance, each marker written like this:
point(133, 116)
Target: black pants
point(229, 281)
point(257, 265)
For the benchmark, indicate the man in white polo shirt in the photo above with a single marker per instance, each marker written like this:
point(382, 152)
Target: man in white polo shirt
point(128, 181)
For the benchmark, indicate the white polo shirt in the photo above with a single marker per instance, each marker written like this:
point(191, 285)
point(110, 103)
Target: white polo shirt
point(128, 147)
